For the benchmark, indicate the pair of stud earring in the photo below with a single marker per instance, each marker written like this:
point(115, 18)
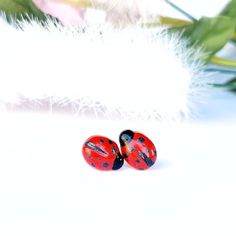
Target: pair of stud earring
point(136, 149)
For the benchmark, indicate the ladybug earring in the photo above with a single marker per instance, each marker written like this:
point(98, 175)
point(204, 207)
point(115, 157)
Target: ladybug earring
point(137, 150)
point(102, 153)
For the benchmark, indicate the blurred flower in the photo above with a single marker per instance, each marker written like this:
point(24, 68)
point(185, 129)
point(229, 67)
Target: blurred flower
point(66, 13)
point(117, 12)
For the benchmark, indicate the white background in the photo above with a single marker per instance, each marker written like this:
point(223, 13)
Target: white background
point(46, 188)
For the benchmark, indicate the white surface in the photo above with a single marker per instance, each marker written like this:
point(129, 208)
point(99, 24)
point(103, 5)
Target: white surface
point(46, 188)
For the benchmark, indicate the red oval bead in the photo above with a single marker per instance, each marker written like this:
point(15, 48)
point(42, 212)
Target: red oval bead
point(102, 153)
point(137, 149)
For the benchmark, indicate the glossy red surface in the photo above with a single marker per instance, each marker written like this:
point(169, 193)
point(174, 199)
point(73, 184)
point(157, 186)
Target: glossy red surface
point(102, 153)
point(138, 150)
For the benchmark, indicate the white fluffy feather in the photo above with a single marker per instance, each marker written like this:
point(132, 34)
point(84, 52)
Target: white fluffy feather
point(132, 72)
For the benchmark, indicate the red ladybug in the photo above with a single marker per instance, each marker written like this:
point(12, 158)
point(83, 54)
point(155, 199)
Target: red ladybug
point(137, 149)
point(102, 153)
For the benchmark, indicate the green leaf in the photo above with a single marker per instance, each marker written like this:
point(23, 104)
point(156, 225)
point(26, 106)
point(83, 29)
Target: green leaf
point(233, 41)
point(210, 34)
point(230, 10)
point(21, 8)
point(230, 85)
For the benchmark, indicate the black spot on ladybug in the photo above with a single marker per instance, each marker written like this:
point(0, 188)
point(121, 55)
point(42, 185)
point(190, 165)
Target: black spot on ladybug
point(118, 163)
point(105, 165)
point(126, 137)
point(141, 140)
point(155, 152)
point(101, 141)
point(126, 155)
point(147, 160)
point(137, 161)
point(89, 155)
point(110, 142)
point(93, 165)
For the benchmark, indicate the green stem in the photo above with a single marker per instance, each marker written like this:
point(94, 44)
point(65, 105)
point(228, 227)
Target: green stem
point(224, 86)
point(168, 21)
point(221, 70)
point(190, 17)
point(84, 3)
point(223, 62)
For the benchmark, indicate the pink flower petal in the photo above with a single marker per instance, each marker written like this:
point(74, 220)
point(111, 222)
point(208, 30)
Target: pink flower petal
point(66, 13)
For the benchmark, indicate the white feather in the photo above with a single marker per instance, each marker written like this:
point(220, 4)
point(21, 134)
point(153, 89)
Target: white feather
point(131, 72)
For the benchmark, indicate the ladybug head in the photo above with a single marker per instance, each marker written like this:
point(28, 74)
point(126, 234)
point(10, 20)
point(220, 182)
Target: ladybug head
point(118, 163)
point(126, 137)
